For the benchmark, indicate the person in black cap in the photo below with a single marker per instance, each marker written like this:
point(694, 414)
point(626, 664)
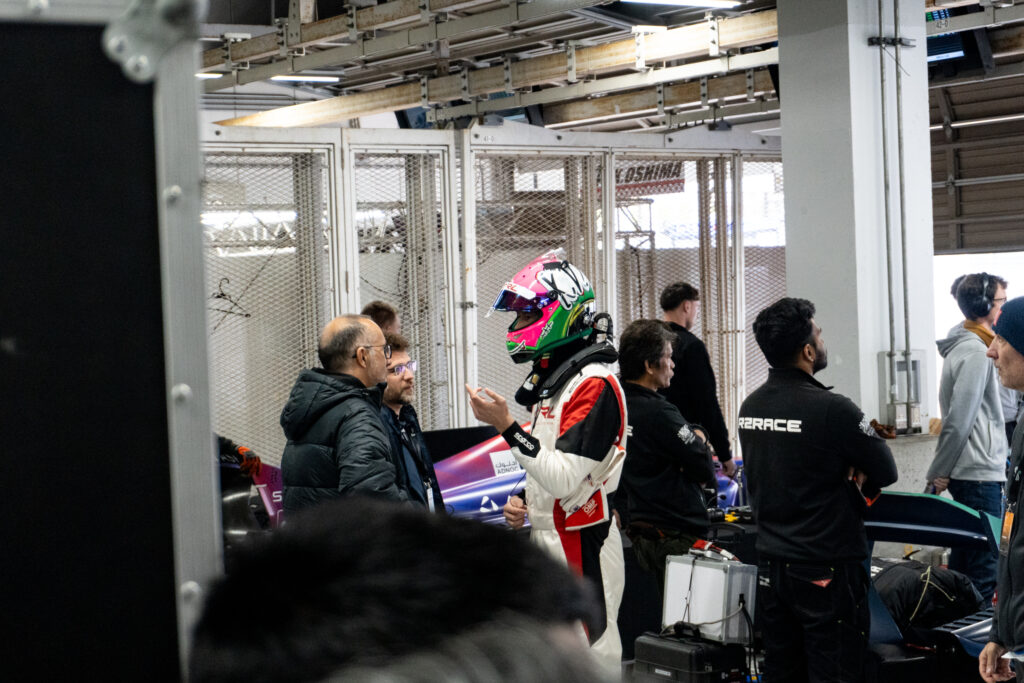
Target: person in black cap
point(1007, 633)
point(812, 462)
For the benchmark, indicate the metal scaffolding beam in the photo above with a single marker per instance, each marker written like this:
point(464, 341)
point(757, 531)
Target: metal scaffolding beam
point(687, 41)
point(388, 15)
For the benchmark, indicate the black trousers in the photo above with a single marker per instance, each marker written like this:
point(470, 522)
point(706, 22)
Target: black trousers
point(815, 621)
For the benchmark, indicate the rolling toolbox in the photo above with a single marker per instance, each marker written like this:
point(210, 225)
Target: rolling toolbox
point(689, 660)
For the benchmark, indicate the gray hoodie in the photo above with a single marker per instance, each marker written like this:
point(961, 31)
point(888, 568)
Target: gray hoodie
point(972, 444)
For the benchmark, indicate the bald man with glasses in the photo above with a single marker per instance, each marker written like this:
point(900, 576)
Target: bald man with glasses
point(416, 467)
point(337, 444)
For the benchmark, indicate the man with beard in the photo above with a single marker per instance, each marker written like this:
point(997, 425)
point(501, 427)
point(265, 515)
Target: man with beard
point(415, 466)
point(812, 463)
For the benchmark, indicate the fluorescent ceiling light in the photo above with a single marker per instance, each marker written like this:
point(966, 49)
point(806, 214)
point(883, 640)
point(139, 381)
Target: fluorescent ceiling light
point(710, 4)
point(967, 123)
point(299, 78)
point(207, 76)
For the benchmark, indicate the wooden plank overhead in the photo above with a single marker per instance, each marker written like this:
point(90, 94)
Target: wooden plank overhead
point(641, 102)
point(673, 44)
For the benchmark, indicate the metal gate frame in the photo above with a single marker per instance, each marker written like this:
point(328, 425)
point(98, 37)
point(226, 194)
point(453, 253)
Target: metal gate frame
point(293, 140)
point(457, 151)
point(441, 142)
point(517, 139)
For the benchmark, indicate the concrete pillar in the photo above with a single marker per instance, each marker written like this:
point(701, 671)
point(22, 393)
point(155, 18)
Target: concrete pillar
point(832, 162)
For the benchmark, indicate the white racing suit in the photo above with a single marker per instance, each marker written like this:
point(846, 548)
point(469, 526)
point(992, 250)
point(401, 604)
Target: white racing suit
point(573, 458)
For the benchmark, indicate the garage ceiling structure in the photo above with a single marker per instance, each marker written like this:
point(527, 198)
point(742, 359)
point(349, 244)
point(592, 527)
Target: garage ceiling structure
point(616, 66)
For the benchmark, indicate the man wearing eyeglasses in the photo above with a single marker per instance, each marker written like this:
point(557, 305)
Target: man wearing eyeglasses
point(416, 468)
point(337, 444)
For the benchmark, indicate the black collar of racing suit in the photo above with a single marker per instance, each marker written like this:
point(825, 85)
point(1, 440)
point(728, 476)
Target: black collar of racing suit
point(794, 375)
point(543, 382)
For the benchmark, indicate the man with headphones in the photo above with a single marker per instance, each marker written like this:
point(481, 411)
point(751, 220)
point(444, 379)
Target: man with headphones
point(970, 457)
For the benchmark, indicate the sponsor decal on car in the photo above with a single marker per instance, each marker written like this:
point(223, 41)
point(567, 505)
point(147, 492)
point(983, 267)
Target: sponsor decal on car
point(504, 462)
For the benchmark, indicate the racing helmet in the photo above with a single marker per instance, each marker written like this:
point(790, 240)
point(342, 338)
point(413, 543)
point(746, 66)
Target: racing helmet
point(557, 303)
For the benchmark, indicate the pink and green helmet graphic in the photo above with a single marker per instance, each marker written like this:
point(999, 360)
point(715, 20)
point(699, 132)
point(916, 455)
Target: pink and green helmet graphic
point(559, 292)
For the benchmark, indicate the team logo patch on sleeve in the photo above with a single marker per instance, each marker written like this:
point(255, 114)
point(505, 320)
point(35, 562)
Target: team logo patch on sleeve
point(865, 426)
point(686, 434)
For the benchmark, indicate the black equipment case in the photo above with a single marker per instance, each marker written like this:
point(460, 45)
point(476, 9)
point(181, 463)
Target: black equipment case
point(690, 660)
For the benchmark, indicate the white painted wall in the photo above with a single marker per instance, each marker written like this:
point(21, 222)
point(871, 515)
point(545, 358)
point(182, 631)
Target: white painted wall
point(831, 147)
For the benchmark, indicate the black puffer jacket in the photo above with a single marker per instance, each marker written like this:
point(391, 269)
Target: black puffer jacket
point(336, 442)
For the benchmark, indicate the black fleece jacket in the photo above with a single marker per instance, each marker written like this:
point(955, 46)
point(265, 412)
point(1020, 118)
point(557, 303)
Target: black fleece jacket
point(666, 464)
point(799, 440)
point(336, 442)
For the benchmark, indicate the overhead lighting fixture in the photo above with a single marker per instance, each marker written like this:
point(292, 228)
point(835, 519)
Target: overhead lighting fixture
point(207, 76)
point(707, 4)
point(299, 78)
point(967, 123)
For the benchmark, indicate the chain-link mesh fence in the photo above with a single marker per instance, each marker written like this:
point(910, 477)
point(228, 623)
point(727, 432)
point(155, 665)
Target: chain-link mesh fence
point(675, 224)
point(525, 206)
point(658, 211)
point(264, 219)
point(268, 276)
point(718, 279)
point(764, 254)
point(400, 222)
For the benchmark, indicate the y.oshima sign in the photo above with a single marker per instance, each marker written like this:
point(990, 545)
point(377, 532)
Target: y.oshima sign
point(657, 177)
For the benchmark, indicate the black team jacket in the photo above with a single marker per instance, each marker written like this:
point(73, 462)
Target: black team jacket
point(693, 389)
point(665, 466)
point(799, 440)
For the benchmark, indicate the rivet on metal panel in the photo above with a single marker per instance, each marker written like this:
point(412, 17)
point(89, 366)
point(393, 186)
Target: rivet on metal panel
point(181, 393)
point(703, 91)
point(38, 6)
point(750, 84)
point(293, 29)
point(353, 30)
point(137, 65)
point(139, 38)
point(713, 45)
point(424, 102)
point(507, 67)
point(570, 61)
point(661, 99)
point(191, 591)
point(464, 81)
point(282, 35)
point(117, 45)
point(640, 64)
point(172, 194)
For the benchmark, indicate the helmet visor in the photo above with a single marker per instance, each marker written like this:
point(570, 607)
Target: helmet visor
point(519, 299)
